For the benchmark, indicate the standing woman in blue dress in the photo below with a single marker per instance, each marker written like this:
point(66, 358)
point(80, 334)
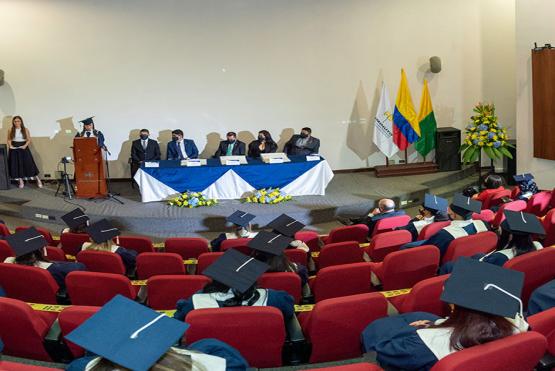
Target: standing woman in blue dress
point(21, 164)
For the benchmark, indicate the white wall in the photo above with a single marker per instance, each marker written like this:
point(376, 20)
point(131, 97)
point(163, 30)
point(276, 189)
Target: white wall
point(534, 23)
point(209, 66)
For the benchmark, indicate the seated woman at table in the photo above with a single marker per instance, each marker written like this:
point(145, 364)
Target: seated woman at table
point(264, 144)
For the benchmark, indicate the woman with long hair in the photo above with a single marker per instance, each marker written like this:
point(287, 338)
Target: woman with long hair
point(263, 144)
point(21, 163)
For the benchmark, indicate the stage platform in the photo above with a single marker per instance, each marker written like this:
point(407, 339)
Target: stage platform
point(347, 194)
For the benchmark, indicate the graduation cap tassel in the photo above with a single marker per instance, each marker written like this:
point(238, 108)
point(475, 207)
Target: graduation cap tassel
point(245, 263)
point(136, 333)
point(522, 216)
point(32, 238)
point(492, 285)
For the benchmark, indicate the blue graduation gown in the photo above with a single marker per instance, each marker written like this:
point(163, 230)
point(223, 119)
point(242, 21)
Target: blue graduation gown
point(396, 342)
point(129, 258)
point(59, 270)
point(542, 298)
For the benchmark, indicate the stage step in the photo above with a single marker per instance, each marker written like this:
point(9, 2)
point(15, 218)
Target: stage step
point(405, 169)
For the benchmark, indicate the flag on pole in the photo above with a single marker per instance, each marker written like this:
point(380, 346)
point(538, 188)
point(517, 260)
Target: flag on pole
point(405, 122)
point(383, 125)
point(427, 122)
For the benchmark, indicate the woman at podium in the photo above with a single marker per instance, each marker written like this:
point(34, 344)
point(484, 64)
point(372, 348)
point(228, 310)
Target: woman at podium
point(21, 163)
point(90, 132)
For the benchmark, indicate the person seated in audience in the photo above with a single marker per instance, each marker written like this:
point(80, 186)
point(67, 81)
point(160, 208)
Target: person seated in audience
point(125, 335)
point(288, 226)
point(230, 147)
point(233, 284)
point(302, 144)
point(102, 233)
point(29, 247)
point(264, 144)
point(385, 209)
point(180, 148)
point(470, 191)
point(493, 184)
point(480, 313)
point(527, 185)
point(241, 222)
point(542, 298)
point(434, 209)
point(76, 221)
point(516, 240)
point(462, 225)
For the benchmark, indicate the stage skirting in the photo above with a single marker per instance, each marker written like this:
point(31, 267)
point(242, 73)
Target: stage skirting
point(296, 178)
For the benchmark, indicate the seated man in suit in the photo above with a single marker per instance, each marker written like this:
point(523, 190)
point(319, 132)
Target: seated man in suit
point(302, 144)
point(231, 146)
point(181, 149)
point(143, 150)
point(385, 209)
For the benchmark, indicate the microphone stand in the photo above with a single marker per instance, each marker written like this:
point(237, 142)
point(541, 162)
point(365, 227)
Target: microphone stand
point(110, 195)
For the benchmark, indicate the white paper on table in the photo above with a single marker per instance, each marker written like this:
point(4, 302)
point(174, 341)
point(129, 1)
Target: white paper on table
point(313, 157)
point(152, 164)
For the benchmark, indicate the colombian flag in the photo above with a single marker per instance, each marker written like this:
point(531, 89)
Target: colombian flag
point(406, 129)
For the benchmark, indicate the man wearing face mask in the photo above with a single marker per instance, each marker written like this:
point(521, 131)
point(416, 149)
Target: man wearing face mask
point(143, 149)
point(231, 146)
point(181, 149)
point(302, 144)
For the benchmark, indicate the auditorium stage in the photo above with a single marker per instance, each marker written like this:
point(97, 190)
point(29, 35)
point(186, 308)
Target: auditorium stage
point(347, 194)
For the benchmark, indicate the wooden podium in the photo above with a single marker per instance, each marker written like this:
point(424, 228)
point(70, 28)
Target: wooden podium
point(90, 177)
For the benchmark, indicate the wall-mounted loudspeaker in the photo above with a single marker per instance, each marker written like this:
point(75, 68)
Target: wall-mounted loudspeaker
point(1, 77)
point(435, 64)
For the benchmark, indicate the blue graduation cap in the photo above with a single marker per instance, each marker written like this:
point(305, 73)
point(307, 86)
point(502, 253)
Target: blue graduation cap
point(286, 225)
point(462, 205)
point(518, 222)
point(435, 203)
point(88, 121)
point(128, 334)
point(240, 218)
point(26, 241)
point(523, 177)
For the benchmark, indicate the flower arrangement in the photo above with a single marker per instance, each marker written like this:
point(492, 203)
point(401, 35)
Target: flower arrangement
point(485, 132)
point(191, 200)
point(267, 196)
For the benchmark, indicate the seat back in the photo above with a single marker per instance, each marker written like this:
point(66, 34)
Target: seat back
point(515, 192)
point(285, 281)
point(138, 243)
point(310, 238)
point(330, 281)
point(335, 325)
point(69, 319)
point(543, 322)
point(425, 297)
point(13, 366)
point(486, 203)
point(350, 367)
point(5, 251)
point(388, 224)
point(239, 244)
point(159, 263)
point(72, 242)
point(165, 291)
point(297, 256)
point(340, 253)
point(204, 260)
point(519, 352)
point(483, 242)
point(55, 254)
point(4, 230)
point(499, 217)
point(403, 269)
point(497, 198)
point(537, 267)
point(549, 226)
point(431, 229)
point(386, 243)
point(22, 330)
point(485, 215)
point(101, 261)
point(30, 284)
point(262, 331)
point(187, 247)
point(539, 203)
point(45, 233)
point(357, 232)
point(96, 289)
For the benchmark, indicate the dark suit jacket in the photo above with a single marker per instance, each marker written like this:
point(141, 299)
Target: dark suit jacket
point(238, 149)
point(190, 150)
point(97, 133)
point(371, 222)
point(311, 147)
point(138, 154)
point(254, 151)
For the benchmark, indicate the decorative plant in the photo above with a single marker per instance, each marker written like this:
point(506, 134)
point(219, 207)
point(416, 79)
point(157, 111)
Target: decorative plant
point(485, 132)
point(268, 196)
point(191, 200)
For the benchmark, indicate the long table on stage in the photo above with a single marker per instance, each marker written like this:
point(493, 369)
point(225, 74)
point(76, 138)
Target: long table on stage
point(297, 178)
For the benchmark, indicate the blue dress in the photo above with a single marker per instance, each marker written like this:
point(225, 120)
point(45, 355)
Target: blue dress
point(542, 298)
point(129, 258)
point(59, 270)
point(275, 298)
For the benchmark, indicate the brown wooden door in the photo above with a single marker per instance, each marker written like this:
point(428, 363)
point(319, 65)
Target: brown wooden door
point(543, 86)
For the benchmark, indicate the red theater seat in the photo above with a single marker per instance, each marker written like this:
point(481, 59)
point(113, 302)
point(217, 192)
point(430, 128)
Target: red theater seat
point(5, 251)
point(69, 319)
point(357, 232)
point(331, 282)
point(539, 203)
point(159, 263)
point(351, 367)
point(30, 284)
point(339, 253)
point(483, 242)
point(45, 232)
point(431, 229)
point(499, 217)
point(72, 242)
point(549, 226)
point(297, 256)
point(385, 243)
point(101, 261)
point(165, 291)
point(138, 243)
point(204, 260)
point(55, 254)
point(96, 289)
point(240, 244)
point(388, 224)
point(424, 297)
point(285, 281)
point(187, 247)
point(310, 238)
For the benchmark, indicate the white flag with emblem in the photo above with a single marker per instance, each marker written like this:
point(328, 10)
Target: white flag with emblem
point(383, 125)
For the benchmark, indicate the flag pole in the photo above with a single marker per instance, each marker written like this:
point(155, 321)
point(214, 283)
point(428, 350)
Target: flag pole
point(406, 157)
point(386, 160)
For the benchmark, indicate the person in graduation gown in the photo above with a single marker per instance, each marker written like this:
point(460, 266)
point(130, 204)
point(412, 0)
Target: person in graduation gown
point(233, 284)
point(462, 224)
point(264, 144)
point(241, 224)
point(231, 146)
point(180, 148)
point(102, 233)
point(527, 186)
point(493, 184)
point(76, 221)
point(143, 150)
point(417, 340)
point(144, 339)
point(434, 209)
point(29, 247)
point(302, 144)
point(89, 131)
point(542, 298)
